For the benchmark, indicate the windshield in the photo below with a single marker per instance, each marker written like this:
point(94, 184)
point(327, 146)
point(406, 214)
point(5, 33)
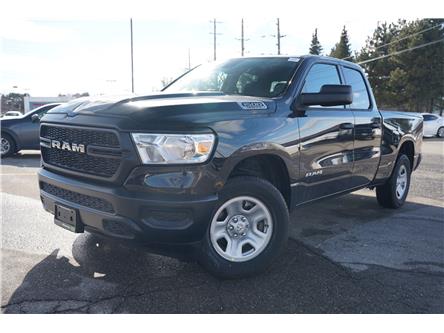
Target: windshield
point(260, 77)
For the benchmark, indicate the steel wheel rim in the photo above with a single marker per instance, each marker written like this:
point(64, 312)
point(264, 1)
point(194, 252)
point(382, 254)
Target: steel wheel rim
point(401, 182)
point(4, 146)
point(241, 229)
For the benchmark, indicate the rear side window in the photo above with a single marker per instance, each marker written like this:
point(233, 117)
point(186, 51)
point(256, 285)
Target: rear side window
point(429, 117)
point(355, 79)
point(319, 75)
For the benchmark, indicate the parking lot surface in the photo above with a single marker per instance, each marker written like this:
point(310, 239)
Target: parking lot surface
point(344, 255)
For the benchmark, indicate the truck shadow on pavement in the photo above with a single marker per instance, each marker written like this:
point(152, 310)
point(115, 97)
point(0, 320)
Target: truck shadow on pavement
point(23, 160)
point(110, 277)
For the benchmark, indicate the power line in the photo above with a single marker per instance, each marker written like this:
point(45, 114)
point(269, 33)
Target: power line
point(401, 51)
point(403, 38)
point(214, 33)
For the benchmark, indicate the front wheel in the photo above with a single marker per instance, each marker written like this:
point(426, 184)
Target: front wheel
point(7, 145)
point(440, 133)
point(248, 229)
point(394, 192)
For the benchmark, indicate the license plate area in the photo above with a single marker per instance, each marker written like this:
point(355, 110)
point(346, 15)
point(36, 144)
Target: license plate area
point(67, 218)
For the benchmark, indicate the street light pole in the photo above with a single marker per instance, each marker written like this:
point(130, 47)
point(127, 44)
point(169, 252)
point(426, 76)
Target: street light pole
point(132, 57)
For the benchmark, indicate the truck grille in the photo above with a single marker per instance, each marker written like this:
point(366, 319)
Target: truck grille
point(80, 135)
point(83, 163)
point(77, 198)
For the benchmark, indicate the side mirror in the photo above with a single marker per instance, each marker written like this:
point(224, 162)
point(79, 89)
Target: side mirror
point(330, 95)
point(35, 118)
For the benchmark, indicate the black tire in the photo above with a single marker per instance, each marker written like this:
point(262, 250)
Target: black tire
point(440, 132)
point(11, 144)
point(387, 194)
point(264, 191)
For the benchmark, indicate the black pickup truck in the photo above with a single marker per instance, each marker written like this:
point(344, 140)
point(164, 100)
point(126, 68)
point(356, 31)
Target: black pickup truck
point(216, 161)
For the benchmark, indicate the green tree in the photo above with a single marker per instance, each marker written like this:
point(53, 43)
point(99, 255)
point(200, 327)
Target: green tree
point(378, 71)
point(315, 47)
point(420, 71)
point(403, 74)
point(342, 48)
point(12, 102)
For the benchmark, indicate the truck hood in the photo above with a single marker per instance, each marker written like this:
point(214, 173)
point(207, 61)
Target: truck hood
point(165, 105)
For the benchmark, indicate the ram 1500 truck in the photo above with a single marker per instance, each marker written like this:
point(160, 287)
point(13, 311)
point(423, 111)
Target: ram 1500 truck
point(218, 159)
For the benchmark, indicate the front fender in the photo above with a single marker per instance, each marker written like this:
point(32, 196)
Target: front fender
point(255, 150)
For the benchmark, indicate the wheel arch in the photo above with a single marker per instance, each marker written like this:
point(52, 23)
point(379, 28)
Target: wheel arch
point(408, 148)
point(267, 165)
point(13, 136)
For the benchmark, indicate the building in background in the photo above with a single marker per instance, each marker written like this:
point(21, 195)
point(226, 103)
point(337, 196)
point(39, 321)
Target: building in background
point(31, 103)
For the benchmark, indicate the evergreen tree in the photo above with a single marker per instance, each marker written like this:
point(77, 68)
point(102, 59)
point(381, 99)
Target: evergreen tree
point(342, 49)
point(378, 72)
point(419, 78)
point(412, 80)
point(315, 47)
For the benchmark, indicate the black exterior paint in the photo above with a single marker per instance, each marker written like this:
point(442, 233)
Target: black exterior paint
point(174, 204)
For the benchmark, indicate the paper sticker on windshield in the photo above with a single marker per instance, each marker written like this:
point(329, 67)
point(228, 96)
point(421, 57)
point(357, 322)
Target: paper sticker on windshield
point(253, 105)
point(294, 59)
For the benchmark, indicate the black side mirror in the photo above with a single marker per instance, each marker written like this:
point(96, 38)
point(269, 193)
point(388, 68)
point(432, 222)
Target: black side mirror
point(330, 95)
point(35, 118)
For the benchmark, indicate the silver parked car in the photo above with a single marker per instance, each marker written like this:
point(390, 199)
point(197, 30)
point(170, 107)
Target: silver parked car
point(433, 125)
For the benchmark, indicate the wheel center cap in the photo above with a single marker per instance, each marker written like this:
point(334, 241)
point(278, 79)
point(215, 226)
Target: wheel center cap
point(237, 226)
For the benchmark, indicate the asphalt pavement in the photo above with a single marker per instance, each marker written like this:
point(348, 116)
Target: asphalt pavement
point(345, 255)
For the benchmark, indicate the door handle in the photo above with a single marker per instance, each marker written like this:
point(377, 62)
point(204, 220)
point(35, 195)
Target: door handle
point(346, 126)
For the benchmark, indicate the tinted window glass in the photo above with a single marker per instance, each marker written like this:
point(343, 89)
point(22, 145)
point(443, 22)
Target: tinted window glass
point(429, 117)
point(41, 111)
point(319, 75)
point(360, 93)
point(262, 77)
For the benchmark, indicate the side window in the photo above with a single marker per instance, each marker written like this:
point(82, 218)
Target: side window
point(42, 112)
point(319, 75)
point(359, 89)
point(429, 117)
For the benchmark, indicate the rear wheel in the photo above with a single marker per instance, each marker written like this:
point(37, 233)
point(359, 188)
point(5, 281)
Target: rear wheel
point(248, 229)
point(7, 145)
point(394, 192)
point(440, 132)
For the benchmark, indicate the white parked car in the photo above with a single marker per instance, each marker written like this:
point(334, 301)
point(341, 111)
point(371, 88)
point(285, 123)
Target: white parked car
point(433, 125)
point(13, 114)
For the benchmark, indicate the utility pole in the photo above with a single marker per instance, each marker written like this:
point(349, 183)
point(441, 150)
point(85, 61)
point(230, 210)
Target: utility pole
point(214, 33)
point(279, 36)
point(132, 57)
point(242, 39)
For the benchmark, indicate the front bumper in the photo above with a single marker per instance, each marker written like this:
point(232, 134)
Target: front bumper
point(118, 212)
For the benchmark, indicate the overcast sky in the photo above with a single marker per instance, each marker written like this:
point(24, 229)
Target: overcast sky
point(47, 50)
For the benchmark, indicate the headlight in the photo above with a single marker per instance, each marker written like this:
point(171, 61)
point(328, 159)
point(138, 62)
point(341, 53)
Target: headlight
point(173, 148)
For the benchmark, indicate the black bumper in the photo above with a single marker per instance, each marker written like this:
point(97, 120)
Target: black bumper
point(120, 213)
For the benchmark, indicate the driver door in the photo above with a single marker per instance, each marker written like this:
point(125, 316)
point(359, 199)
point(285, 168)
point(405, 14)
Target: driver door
point(326, 140)
point(30, 130)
